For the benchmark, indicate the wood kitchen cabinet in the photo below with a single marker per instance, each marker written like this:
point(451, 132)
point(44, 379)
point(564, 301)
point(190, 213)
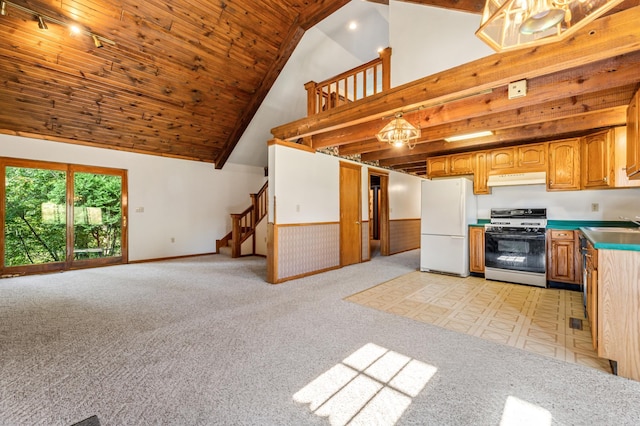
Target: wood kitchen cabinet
point(563, 256)
point(633, 137)
point(502, 160)
point(592, 292)
point(438, 166)
point(532, 158)
point(461, 164)
point(476, 249)
point(480, 174)
point(563, 172)
point(597, 158)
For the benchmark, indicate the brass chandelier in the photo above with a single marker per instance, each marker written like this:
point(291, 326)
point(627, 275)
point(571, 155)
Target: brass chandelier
point(399, 132)
point(512, 24)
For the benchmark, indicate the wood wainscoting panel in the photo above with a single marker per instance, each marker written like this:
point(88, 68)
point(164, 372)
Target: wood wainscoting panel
point(306, 249)
point(404, 234)
point(366, 244)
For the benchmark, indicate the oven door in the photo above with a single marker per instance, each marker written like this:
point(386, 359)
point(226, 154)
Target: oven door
point(515, 249)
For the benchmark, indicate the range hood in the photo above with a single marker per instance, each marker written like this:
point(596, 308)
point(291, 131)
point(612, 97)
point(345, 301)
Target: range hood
point(530, 178)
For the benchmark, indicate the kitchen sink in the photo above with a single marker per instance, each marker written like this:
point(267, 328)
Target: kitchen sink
point(612, 229)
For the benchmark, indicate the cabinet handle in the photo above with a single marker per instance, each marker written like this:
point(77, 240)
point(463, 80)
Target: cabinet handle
point(587, 255)
point(605, 179)
point(562, 235)
point(550, 182)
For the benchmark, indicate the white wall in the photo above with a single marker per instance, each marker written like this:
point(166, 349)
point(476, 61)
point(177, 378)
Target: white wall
point(564, 205)
point(427, 40)
point(186, 200)
point(306, 186)
point(404, 196)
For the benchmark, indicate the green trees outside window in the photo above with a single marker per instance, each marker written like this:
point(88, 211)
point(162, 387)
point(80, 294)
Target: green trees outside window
point(36, 221)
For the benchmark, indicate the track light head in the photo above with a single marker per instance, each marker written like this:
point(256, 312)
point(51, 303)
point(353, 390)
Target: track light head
point(3, 8)
point(41, 24)
point(97, 41)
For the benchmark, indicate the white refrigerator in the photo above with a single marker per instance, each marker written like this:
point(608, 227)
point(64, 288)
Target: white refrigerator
point(448, 207)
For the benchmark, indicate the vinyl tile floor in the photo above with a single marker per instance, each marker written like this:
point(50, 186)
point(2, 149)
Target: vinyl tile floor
point(530, 318)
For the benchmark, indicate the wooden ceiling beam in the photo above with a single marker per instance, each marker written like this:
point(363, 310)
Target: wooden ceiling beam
point(549, 111)
point(472, 6)
point(609, 73)
point(603, 38)
point(553, 129)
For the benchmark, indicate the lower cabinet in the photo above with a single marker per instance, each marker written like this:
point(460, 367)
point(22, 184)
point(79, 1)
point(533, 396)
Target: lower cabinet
point(563, 256)
point(592, 292)
point(476, 249)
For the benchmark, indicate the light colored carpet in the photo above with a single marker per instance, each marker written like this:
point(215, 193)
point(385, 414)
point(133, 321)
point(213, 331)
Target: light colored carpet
point(205, 341)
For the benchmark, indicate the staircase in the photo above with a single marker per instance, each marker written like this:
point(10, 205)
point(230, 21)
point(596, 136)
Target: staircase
point(243, 226)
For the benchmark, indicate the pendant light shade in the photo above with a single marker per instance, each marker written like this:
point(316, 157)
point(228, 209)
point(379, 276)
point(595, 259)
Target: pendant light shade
point(512, 24)
point(542, 16)
point(399, 132)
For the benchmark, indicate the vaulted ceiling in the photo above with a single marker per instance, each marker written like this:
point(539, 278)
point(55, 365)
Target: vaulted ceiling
point(179, 78)
point(182, 78)
point(575, 87)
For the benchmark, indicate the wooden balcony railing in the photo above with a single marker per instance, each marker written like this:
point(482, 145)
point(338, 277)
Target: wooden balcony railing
point(357, 83)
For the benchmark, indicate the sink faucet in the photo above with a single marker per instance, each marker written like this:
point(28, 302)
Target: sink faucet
point(631, 220)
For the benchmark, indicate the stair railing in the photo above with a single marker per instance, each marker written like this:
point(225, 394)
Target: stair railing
point(243, 225)
point(350, 86)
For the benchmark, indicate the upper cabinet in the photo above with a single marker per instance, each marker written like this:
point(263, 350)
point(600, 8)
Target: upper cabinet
point(563, 172)
point(532, 157)
point(448, 165)
point(502, 160)
point(633, 138)
point(461, 164)
point(598, 160)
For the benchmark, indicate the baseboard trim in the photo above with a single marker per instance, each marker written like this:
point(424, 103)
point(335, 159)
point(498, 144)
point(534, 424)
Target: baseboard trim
point(160, 259)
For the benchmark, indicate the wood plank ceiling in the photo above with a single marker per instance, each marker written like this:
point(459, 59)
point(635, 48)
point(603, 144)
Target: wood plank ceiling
point(574, 87)
point(184, 77)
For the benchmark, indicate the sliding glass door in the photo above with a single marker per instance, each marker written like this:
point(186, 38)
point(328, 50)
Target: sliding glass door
point(59, 216)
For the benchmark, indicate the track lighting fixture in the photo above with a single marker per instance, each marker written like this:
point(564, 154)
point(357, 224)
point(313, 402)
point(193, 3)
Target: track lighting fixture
point(41, 23)
point(42, 20)
point(97, 41)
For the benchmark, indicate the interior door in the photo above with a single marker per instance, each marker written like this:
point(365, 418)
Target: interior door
point(350, 211)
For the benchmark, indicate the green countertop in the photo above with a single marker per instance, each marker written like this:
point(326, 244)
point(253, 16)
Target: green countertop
point(600, 240)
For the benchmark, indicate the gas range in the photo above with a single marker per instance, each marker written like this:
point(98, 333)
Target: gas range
point(531, 220)
point(515, 248)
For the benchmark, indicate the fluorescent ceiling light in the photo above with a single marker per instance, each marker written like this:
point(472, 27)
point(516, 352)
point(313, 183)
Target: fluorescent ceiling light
point(469, 136)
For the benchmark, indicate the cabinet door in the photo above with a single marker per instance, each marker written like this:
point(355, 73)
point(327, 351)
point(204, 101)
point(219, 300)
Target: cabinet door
point(633, 138)
point(480, 174)
point(562, 257)
point(592, 292)
point(501, 160)
point(564, 165)
point(532, 157)
point(476, 249)
point(438, 166)
point(597, 160)
point(461, 164)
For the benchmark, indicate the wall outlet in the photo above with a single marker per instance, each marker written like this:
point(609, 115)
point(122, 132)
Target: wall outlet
point(139, 209)
point(595, 207)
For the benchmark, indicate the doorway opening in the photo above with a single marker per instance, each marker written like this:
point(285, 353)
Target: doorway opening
point(378, 213)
